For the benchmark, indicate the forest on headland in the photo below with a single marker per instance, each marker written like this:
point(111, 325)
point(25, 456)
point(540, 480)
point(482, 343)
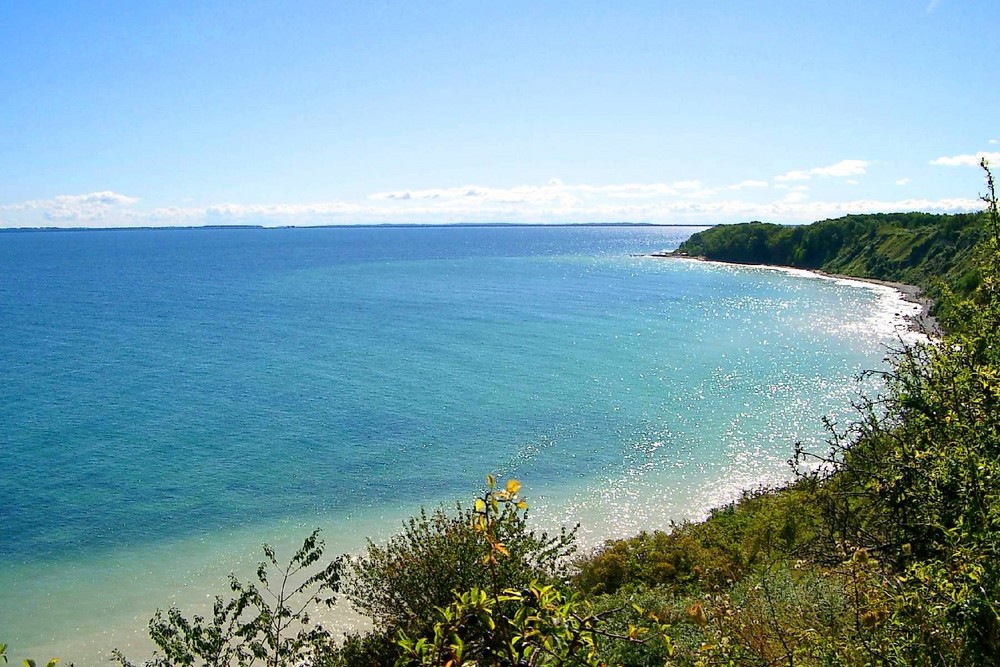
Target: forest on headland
point(927, 250)
point(882, 551)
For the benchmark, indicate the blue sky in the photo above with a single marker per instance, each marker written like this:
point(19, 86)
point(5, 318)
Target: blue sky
point(164, 113)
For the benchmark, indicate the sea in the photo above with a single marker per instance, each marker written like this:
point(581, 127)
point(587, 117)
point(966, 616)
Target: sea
point(171, 399)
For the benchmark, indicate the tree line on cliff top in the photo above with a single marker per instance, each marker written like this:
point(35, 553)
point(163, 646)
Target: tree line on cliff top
point(915, 248)
point(885, 553)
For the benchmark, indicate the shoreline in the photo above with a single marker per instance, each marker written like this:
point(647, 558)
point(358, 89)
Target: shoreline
point(634, 497)
point(922, 323)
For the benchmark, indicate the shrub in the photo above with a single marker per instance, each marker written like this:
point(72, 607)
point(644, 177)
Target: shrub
point(709, 555)
point(537, 626)
point(267, 625)
point(401, 584)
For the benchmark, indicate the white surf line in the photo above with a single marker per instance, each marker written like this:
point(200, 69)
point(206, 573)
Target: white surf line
point(899, 305)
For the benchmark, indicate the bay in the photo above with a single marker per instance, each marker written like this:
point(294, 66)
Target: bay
point(172, 398)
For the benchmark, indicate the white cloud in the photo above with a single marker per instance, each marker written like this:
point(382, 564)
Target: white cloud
point(176, 215)
point(281, 212)
point(105, 198)
point(841, 169)
point(903, 181)
point(993, 142)
point(749, 184)
point(554, 201)
point(797, 175)
point(794, 206)
point(79, 208)
point(795, 196)
point(966, 160)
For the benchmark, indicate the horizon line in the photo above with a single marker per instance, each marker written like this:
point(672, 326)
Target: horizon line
point(369, 225)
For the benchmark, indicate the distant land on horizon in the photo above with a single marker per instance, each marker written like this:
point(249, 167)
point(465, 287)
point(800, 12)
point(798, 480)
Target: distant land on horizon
point(394, 225)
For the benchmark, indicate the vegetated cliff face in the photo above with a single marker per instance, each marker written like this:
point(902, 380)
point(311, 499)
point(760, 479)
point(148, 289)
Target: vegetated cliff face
point(914, 248)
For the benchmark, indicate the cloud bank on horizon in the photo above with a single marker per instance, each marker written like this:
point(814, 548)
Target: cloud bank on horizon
point(679, 202)
point(123, 114)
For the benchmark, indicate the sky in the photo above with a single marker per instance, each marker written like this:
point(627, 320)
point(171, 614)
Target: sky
point(670, 111)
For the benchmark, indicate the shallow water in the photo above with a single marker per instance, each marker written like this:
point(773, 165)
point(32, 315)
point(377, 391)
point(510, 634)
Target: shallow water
point(173, 398)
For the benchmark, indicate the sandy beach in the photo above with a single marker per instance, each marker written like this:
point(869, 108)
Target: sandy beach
point(923, 322)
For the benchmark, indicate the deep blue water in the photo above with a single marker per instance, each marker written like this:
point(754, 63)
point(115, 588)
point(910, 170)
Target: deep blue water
point(163, 385)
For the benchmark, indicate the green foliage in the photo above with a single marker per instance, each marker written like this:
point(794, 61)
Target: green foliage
point(639, 608)
point(791, 613)
point(372, 649)
point(903, 565)
point(539, 625)
point(915, 248)
point(400, 585)
point(917, 482)
point(267, 625)
point(709, 555)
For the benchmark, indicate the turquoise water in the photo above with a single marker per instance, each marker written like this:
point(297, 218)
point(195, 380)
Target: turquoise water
point(172, 398)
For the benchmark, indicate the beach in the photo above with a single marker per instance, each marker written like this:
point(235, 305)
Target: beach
point(921, 322)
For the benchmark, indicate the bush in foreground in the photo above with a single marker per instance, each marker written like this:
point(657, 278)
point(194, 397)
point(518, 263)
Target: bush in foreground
point(400, 584)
